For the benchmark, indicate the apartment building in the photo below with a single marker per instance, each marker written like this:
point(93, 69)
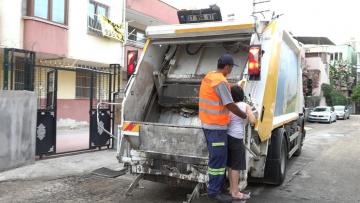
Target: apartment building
point(69, 52)
point(139, 15)
point(62, 34)
point(317, 65)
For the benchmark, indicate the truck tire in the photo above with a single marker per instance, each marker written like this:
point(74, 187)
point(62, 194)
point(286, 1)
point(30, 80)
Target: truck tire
point(276, 160)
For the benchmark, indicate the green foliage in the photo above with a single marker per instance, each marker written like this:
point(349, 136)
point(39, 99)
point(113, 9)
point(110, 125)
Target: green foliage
point(333, 97)
point(326, 88)
point(337, 98)
point(356, 93)
point(340, 75)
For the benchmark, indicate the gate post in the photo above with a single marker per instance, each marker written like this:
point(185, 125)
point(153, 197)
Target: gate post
point(6, 69)
point(91, 107)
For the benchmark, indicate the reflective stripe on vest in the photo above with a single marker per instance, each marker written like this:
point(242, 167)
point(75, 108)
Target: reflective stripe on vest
point(211, 109)
point(208, 101)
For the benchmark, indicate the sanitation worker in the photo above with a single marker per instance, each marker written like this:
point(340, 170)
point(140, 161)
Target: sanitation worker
point(215, 102)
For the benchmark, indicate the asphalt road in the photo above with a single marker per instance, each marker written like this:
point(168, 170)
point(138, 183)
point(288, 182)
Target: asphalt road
point(328, 170)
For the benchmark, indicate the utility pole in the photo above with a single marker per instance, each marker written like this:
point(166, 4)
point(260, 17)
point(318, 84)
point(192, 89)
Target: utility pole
point(255, 12)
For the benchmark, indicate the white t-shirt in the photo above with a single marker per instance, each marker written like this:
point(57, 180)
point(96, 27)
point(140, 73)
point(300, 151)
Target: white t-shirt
point(236, 127)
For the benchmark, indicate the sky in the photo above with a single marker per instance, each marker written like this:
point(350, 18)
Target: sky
point(337, 20)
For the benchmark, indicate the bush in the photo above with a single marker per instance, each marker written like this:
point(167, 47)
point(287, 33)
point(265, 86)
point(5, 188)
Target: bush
point(333, 97)
point(356, 93)
point(327, 89)
point(338, 99)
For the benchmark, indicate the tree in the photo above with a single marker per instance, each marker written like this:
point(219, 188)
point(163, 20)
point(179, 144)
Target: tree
point(356, 93)
point(341, 75)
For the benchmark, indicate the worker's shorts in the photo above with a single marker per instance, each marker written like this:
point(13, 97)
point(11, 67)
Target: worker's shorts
point(236, 154)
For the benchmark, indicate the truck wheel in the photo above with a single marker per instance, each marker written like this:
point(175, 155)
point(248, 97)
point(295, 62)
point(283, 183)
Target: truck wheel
point(276, 160)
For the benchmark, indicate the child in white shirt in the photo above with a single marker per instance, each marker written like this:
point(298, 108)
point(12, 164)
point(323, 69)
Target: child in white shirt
point(236, 151)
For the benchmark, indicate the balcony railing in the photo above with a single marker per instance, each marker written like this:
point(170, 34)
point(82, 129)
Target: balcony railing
point(94, 25)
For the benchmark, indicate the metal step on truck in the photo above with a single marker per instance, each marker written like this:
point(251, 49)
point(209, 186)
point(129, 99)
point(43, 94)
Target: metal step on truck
point(161, 138)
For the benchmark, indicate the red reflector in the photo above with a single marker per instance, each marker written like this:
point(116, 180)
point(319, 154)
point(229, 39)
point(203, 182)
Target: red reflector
point(131, 69)
point(131, 62)
point(251, 65)
point(254, 61)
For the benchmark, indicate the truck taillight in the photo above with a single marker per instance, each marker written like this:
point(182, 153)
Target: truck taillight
point(254, 62)
point(131, 62)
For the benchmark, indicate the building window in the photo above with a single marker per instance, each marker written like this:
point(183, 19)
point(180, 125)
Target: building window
point(51, 10)
point(83, 85)
point(58, 11)
point(96, 9)
point(136, 35)
point(41, 8)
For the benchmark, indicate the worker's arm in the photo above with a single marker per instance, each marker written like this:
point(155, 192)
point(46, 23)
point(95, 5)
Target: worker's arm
point(225, 95)
point(235, 110)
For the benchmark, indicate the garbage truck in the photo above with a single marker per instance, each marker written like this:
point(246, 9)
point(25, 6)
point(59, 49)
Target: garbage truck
point(161, 138)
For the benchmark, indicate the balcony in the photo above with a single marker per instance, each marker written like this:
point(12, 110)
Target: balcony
point(45, 36)
point(94, 26)
point(145, 12)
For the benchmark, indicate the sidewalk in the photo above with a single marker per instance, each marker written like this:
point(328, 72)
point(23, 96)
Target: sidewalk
point(69, 165)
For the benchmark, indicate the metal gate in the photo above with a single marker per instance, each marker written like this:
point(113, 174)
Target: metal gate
point(46, 88)
point(104, 84)
point(22, 73)
point(103, 89)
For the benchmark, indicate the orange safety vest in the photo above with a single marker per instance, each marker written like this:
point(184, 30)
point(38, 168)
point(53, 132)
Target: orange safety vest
point(211, 110)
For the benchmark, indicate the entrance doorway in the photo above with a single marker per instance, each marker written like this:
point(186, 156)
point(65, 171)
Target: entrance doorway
point(69, 117)
point(72, 97)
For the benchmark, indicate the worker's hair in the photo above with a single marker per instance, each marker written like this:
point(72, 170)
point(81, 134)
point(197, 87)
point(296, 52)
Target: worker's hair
point(221, 66)
point(237, 93)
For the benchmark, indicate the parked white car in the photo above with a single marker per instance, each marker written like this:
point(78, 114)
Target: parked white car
point(342, 112)
point(322, 114)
